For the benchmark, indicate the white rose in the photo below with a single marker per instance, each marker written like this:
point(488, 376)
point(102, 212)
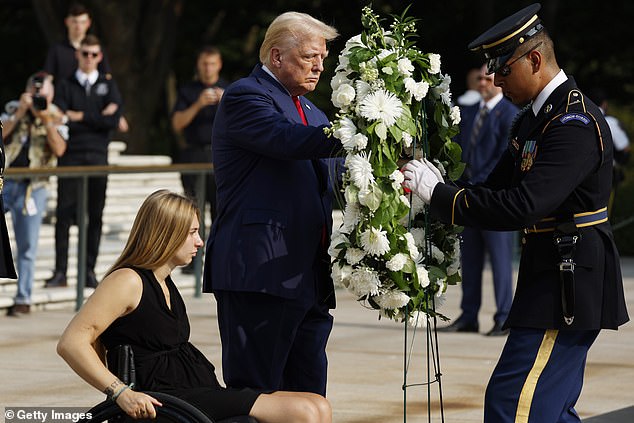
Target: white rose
point(343, 95)
point(405, 66)
point(454, 114)
point(434, 63)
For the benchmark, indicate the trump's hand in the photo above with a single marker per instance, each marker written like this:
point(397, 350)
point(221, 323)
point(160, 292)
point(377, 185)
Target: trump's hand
point(421, 177)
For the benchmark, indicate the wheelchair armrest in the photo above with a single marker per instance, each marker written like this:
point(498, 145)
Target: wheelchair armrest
point(120, 361)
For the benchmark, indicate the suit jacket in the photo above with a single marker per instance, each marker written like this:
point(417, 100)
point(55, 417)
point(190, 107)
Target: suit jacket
point(491, 141)
point(274, 195)
point(7, 270)
point(557, 164)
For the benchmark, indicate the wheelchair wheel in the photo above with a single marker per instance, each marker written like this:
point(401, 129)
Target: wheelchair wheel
point(173, 410)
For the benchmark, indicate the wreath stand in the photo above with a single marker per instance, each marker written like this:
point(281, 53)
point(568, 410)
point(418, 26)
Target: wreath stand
point(432, 377)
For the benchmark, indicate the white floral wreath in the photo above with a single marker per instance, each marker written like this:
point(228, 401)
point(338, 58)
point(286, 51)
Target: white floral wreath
point(394, 104)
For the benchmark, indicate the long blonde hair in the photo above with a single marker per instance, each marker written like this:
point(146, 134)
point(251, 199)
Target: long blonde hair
point(160, 228)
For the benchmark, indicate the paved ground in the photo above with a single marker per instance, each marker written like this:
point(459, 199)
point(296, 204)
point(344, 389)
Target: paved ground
point(366, 363)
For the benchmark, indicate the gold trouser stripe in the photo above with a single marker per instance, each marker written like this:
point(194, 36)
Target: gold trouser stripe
point(528, 390)
point(453, 206)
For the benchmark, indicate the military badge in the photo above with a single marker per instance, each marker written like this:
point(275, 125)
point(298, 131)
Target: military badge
point(528, 155)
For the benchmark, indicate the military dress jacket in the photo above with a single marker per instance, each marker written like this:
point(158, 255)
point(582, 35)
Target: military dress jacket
point(7, 270)
point(558, 166)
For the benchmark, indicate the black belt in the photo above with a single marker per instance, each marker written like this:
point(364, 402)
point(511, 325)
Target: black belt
point(581, 220)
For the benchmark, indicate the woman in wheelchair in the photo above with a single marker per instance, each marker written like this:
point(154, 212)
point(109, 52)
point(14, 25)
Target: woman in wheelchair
point(137, 304)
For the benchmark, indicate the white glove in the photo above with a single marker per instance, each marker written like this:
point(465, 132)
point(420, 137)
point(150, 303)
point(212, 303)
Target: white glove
point(421, 176)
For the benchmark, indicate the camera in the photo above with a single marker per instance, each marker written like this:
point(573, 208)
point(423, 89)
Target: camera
point(39, 101)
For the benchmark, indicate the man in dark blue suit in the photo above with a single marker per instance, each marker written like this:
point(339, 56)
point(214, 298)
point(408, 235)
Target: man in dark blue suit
point(484, 131)
point(267, 260)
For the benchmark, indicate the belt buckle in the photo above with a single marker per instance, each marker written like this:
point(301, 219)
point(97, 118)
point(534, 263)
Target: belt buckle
point(567, 266)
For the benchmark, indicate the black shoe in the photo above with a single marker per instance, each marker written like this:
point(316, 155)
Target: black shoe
point(58, 280)
point(497, 330)
point(460, 325)
point(17, 309)
point(91, 280)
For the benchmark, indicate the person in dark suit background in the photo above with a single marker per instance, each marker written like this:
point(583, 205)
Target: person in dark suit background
point(7, 270)
point(484, 131)
point(266, 259)
point(553, 181)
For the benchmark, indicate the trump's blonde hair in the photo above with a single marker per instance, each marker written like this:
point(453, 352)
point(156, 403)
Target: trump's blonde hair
point(287, 30)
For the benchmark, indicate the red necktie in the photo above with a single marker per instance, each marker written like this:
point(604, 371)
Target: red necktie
point(298, 105)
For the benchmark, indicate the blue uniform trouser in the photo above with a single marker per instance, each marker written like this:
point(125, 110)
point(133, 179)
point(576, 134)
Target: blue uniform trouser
point(273, 343)
point(27, 220)
point(538, 377)
point(499, 245)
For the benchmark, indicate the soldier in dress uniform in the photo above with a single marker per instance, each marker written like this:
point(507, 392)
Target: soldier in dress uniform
point(553, 183)
point(7, 270)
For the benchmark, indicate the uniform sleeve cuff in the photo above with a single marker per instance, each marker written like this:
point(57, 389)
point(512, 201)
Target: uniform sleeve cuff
point(442, 202)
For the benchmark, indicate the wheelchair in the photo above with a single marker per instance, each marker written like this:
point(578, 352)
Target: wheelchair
point(121, 362)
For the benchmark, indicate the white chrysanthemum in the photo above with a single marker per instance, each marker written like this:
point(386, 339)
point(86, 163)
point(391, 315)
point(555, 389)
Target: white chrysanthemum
point(391, 300)
point(411, 246)
point(364, 281)
point(351, 217)
point(340, 274)
point(417, 319)
point(338, 79)
point(381, 105)
point(360, 170)
point(417, 89)
point(446, 97)
point(423, 276)
point(437, 255)
point(454, 114)
point(434, 63)
point(374, 241)
point(358, 142)
point(363, 89)
point(419, 236)
point(396, 263)
point(407, 139)
point(343, 96)
point(354, 255)
point(345, 131)
point(335, 239)
point(405, 66)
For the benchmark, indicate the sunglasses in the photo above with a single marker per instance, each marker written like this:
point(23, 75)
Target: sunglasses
point(89, 54)
point(506, 69)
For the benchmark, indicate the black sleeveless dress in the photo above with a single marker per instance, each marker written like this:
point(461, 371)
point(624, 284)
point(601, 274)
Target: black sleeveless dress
point(164, 358)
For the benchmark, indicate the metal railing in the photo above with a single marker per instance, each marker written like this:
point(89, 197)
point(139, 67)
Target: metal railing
point(84, 172)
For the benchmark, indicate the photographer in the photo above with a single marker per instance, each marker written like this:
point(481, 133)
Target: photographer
point(35, 136)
